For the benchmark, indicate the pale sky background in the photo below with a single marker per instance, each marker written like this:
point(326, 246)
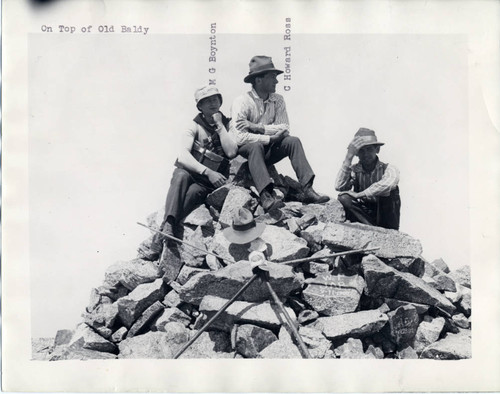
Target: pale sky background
point(106, 113)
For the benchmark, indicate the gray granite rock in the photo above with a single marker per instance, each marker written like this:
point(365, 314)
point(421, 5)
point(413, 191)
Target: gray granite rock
point(237, 197)
point(461, 321)
point(462, 276)
point(465, 301)
point(403, 325)
point(415, 266)
point(281, 349)
point(440, 264)
point(307, 316)
point(408, 353)
point(352, 324)
point(119, 335)
point(315, 341)
point(375, 352)
point(428, 332)
point(352, 348)
point(199, 217)
point(384, 281)
point(187, 273)
point(218, 196)
point(392, 243)
point(395, 304)
point(210, 344)
point(226, 282)
point(333, 295)
point(132, 273)
point(145, 319)
point(172, 299)
point(213, 262)
point(66, 353)
point(86, 338)
point(104, 315)
point(451, 347)
point(282, 245)
point(262, 314)
point(251, 339)
point(171, 315)
point(143, 296)
point(314, 234)
point(190, 256)
point(63, 337)
point(156, 344)
point(171, 262)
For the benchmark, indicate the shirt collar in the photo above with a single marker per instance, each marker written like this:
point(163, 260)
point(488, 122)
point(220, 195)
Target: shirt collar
point(272, 96)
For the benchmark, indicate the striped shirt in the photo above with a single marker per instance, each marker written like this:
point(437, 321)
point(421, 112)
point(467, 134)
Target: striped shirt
point(379, 182)
point(270, 113)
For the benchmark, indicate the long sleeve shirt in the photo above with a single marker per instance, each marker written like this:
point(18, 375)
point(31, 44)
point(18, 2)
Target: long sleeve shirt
point(379, 182)
point(270, 113)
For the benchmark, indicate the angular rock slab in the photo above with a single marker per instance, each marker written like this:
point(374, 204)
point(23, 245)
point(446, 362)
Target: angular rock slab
point(315, 341)
point(146, 318)
point(282, 246)
point(333, 295)
point(251, 339)
point(133, 305)
point(226, 282)
point(451, 347)
point(353, 349)
point(218, 196)
point(281, 349)
point(199, 217)
point(384, 281)
point(392, 243)
point(171, 315)
point(352, 324)
point(262, 314)
point(84, 337)
point(131, 273)
point(65, 353)
point(102, 316)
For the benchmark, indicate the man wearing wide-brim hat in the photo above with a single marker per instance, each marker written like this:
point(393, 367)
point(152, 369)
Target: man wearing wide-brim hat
point(369, 189)
point(260, 124)
point(202, 165)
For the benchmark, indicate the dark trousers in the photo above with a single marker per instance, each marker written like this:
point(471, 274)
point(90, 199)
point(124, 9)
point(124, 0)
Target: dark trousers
point(186, 192)
point(385, 212)
point(260, 156)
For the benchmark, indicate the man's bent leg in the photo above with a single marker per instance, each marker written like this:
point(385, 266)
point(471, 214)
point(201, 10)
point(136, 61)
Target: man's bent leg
point(389, 211)
point(354, 211)
point(254, 153)
point(195, 196)
point(292, 147)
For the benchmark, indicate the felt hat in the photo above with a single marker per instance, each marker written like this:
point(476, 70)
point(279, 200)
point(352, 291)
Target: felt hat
point(260, 65)
point(206, 91)
point(368, 136)
point(244, 229)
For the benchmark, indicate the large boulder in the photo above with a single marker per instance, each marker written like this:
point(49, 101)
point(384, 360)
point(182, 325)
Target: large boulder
point(132, 273)
point(282, 246)
point(352, 324)
point(171, 315)
point(391, 243)
point(333, 295)
point(352, 348)
point(226, 282)
point(262, 314)
point(102, 316)
point(143, 296)
point(154, 344)
point(452, 347)
point(384, 281)
point(199, 217)
point(65, 353)
point(146, 318)
point(211, 344)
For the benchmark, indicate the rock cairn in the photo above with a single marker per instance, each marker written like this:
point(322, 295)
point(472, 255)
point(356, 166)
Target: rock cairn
point(388, 304)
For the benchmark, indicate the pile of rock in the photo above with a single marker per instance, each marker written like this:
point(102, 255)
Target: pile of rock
point(388, 304)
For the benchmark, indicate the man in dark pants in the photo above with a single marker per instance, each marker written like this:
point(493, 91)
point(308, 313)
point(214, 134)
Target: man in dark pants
point(202, 164)
point(260, 124)
point(374, 198)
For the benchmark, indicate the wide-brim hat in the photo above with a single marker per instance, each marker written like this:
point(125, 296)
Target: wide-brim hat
point(243, 229)
point(206, 91)
point(260, 65)
point(368, 137)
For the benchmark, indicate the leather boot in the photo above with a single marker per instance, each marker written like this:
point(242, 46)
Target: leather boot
point(269, 201)
point(311, 197)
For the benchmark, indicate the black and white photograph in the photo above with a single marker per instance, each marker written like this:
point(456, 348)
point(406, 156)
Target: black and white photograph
point(250, 196)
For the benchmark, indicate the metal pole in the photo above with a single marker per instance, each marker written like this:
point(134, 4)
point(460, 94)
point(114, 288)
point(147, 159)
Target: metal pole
point(306, 259)
point(187, 243)
point(214, 317)
point(277, 301)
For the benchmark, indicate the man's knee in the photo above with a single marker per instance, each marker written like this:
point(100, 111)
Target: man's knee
point(292, 140)
point(345, 199)
point(252, 149)
point(180, 176)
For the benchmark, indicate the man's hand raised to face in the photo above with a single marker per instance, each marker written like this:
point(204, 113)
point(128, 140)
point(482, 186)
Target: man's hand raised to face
point(354, 146)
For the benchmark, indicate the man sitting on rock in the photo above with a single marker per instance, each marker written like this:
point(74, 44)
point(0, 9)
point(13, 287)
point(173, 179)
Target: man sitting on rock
point(260, 123)
point(374, 198)
point(202, 165)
